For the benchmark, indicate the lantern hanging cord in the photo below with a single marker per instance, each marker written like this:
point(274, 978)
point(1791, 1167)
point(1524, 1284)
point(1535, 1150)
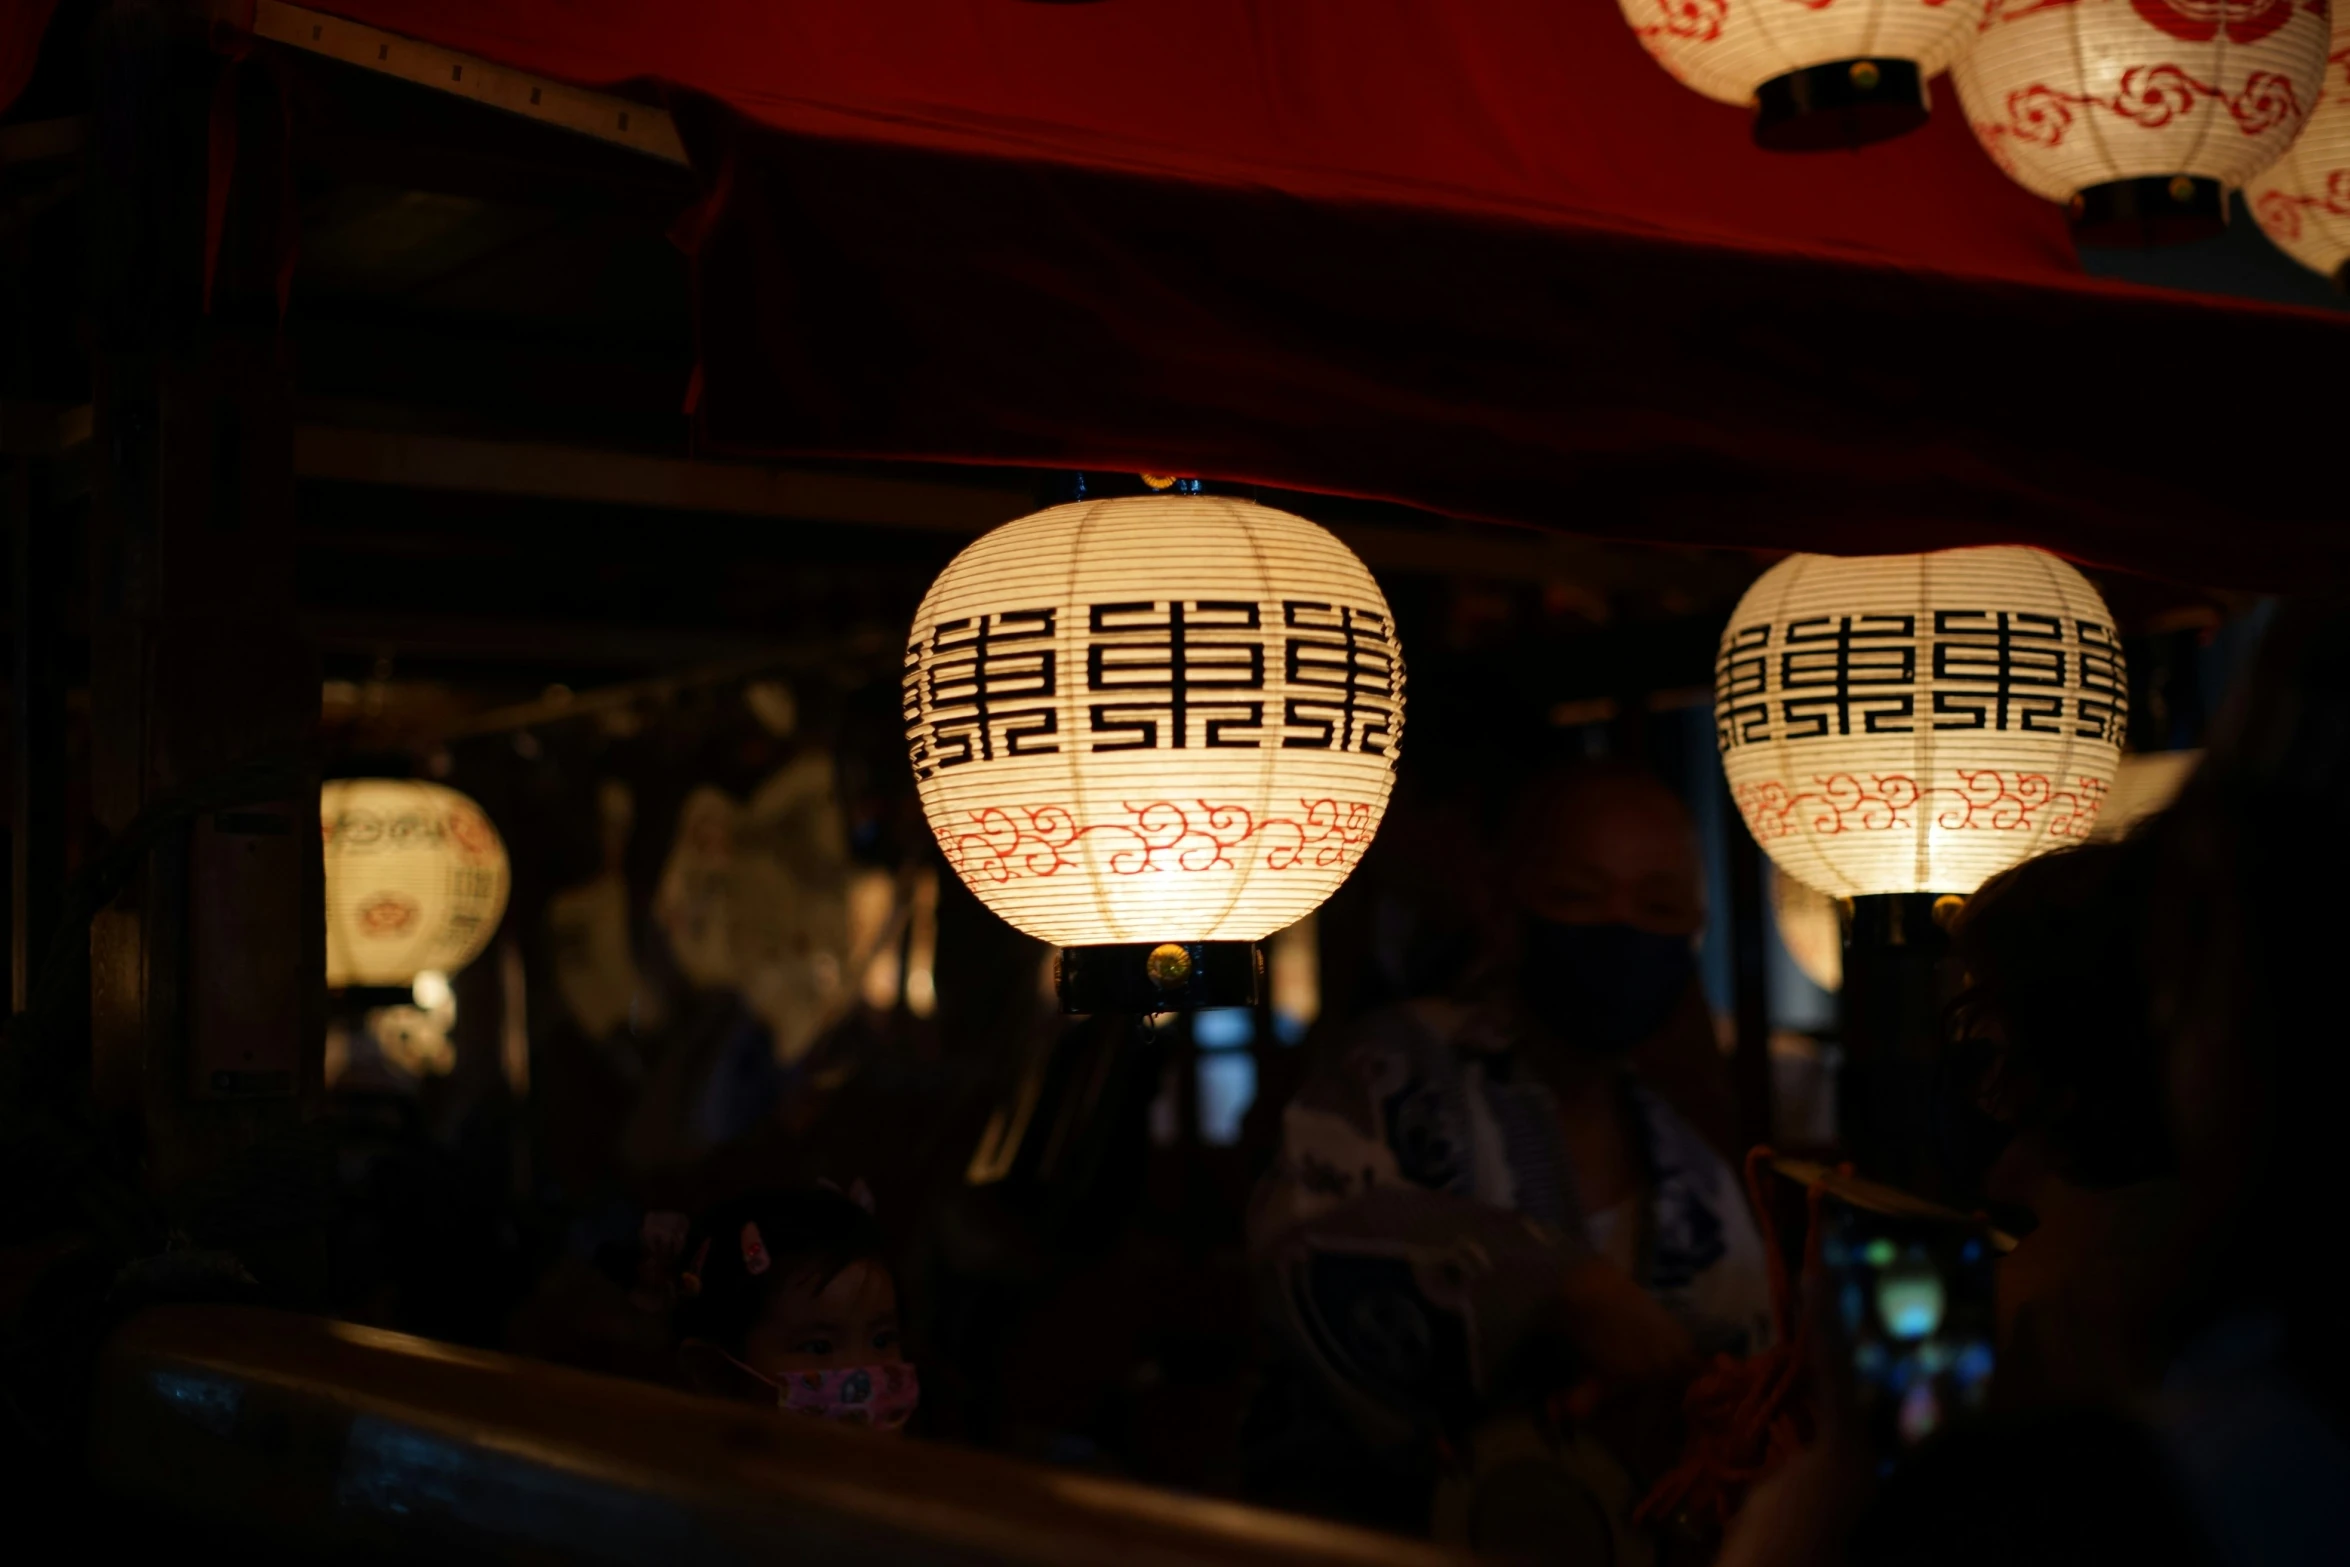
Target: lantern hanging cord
point(1747, 1416)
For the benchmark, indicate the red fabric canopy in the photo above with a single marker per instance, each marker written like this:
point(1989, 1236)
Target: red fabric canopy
point(1477, 255)
point(1544, 111)
point(22, 22)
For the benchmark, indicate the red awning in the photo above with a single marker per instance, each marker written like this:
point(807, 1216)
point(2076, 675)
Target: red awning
point(1476, 255)
point(22, 22)
point(1538, 111)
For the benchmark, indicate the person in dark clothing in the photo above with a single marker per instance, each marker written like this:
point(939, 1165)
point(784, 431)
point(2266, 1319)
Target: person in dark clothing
point(2062, 1058)
point(2242, 1459)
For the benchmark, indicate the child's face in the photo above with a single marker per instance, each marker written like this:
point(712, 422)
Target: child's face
point(851, 1320)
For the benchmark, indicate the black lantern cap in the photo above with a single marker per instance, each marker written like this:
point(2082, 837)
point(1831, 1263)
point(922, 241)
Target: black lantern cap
point(1842, 104)
point(2160, 209)
point(1901, 919)
point(1166, 976)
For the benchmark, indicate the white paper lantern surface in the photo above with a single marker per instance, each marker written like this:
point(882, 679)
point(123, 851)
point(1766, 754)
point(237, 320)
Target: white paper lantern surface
point(1918, 723)
point(416, 880)
point(1154, 718)
point(2303, 199)
point(1726, 49)
point(2070, 94)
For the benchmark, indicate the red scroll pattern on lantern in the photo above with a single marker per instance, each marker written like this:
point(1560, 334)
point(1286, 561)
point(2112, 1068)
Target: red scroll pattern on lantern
point(1997, 11)
point(1700, 21)
point(1005, 843)
point(2193, 21)
point(1984, 800)
point(2281, 212)
point(2151, 96)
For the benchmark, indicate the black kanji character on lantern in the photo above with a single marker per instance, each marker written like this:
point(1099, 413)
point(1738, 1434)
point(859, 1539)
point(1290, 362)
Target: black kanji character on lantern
point(1839, 673)
point(2008, 667)
point(1344, 661)
point(1742, 674)
point(2102, 710)
point(983, 689)
point(1176, 664)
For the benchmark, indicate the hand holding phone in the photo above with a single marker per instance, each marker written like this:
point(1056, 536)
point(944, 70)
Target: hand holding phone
point(1910, 1296)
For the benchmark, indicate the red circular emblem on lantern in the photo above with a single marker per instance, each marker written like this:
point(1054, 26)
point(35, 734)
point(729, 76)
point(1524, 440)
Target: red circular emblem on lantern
point(2198, 21)
point(386, 914)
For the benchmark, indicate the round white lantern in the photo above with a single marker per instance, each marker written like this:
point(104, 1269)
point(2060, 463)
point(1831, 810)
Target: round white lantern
point(2303, 199)
point(1918, 723)
point(416, 880)
point(2142, 115)
point(1164, 720)
point(1818, 73)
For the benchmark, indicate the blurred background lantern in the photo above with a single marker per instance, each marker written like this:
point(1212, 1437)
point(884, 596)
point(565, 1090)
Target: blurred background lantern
point(1816, 75)
point(754, 899)
point(2141, 115)
point(1918, 723)
point(2303, 199)
point(2142, 786)
point(1811, 928)
point(1153, 730)
point(416, 880)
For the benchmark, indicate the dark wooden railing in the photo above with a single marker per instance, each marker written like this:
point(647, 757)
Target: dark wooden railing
point(312, 1436)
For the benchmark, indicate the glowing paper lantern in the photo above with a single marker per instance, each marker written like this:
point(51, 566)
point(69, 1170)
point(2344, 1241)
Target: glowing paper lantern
point(2303, 199)
point(1818, 73)
point(2142, 114)
point(416, 880)
point(1918, 723)
point(1148, 728)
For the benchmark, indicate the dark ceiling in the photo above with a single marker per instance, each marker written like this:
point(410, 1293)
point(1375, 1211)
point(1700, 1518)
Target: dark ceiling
point(489, 324)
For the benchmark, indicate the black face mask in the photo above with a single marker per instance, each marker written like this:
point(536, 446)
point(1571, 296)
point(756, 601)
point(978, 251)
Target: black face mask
point(1604, 987)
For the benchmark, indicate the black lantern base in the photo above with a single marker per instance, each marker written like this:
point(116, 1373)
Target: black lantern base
point(1899, 980)
point(2160, 209)
point(1916, 920)
point(1845, 103)
point(1166, 976)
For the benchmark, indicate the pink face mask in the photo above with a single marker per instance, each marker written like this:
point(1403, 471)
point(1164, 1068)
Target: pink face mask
point(879, 1397)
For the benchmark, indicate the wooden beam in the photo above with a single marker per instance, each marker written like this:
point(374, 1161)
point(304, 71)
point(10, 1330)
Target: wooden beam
point(745, 489)
point(43, 141)
point(553, 472)
point(620, 121)
point(424, 636)
point(420, 1451)
point(42, 429)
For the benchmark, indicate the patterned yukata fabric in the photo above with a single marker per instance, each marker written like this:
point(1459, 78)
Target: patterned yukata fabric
point(1430, 1097)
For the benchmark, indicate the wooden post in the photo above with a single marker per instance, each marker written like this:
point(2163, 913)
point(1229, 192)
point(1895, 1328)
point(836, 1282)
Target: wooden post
point(37, 816)
point(1750, 1062)
point(207, 975)
point(1898, 979)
